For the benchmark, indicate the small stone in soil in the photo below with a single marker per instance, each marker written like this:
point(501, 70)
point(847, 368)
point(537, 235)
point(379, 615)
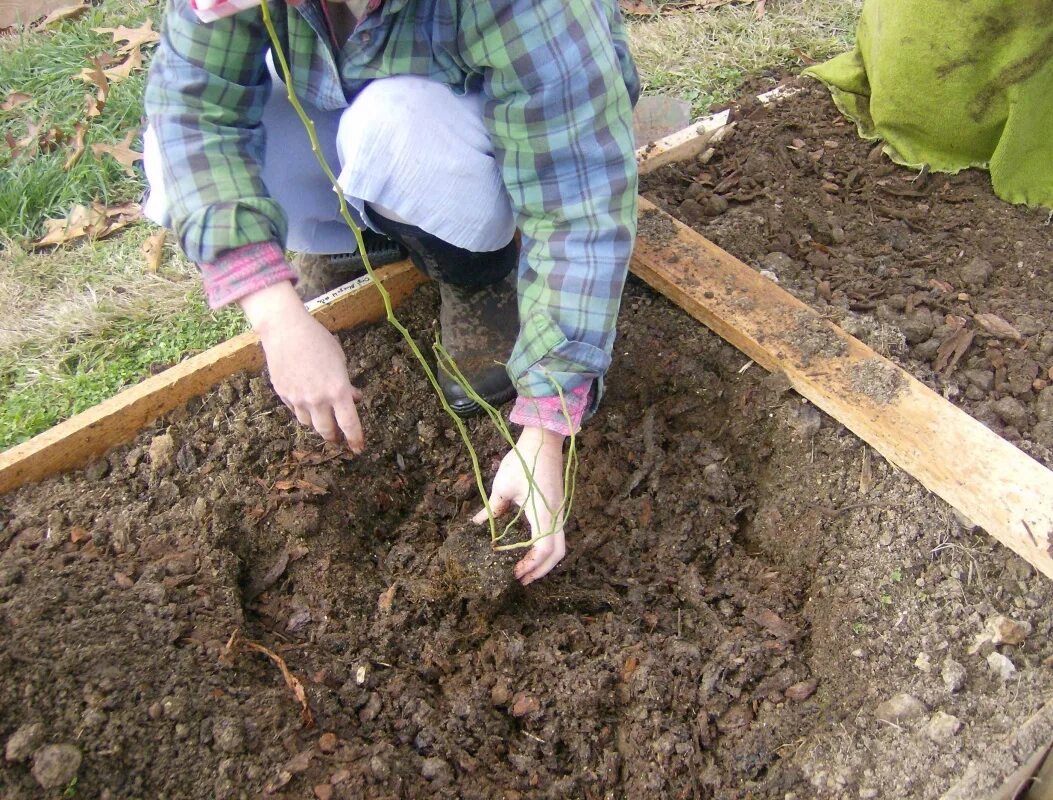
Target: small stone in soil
point(327, 742)
point(942, 727)
point(323, 791)
point(802, 690)
point(1044, 404)
point(805, 420)
point(228, 735)
point(899, 708)
point(1001, 665)
point(24, 741)
point(1004, 630)
point(1011, 411)
point(55, 765)
point(435, 769)
point(976, 272)
point(162, 453)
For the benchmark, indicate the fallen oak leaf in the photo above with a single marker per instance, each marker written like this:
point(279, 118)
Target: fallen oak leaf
point(96, 75)
point(14, 100)
point(133, 37)
point(95, 221)
point(64, 13)
point(51, 139)
point(122, 152)
point(92, 106)
point(154, 250)
point(124, 69)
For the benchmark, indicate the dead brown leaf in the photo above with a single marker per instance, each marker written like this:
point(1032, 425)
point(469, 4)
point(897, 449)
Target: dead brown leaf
point(124, 69)
point(122, 152)
point(66, 12)
point(78, 146)
point(51, 139)
point(14, 100)
point(30, 140)
point(133, 37)
point(154, 250)
point(301, 485)
point(630, 666)
point(95, 221)
point(92, 108)
point(95, 74)
point(952, 349)
point(387, 597)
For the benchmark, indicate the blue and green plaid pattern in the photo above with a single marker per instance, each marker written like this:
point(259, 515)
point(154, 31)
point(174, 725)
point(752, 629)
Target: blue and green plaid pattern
point(558, 83)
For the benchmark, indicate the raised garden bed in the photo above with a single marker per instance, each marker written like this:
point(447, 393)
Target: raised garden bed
point(747, 582)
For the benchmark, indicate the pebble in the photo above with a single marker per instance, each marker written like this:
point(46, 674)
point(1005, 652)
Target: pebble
point(777, 262)
point(24, 741)
point(435, 769)
point(1001, 665)
point(953, 674)
point(228, 734)
point(942, 727)
point(323, 791)
point(916, 330)
point(55, 765)
point(976, 272)
point(926, 351)
point(1044, 404)
point(162, 453)
point(983, 378)
point(1011, 411)
point(1028, 325)
point(1004, 630)
point(923, 662)
point(901, 707)
point(327, 742)
point(1042, 433)
point(802, 690)
point(97, 470)
point(805, 420)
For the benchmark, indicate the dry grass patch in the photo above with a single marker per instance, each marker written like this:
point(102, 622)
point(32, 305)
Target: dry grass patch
point(706, 57)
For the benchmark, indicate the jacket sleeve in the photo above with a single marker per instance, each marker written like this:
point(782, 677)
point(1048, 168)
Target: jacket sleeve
point(205, 95)
point(559, 88)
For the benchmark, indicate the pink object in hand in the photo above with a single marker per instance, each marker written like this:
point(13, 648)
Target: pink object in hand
point(211, 10)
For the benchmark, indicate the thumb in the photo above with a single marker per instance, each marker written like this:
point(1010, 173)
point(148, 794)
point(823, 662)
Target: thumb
point(499, 504)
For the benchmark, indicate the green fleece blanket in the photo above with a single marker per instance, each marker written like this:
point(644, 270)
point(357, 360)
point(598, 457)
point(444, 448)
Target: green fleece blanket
point(955, 84)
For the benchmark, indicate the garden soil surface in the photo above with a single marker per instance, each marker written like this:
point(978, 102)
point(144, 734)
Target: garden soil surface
point(754, 605)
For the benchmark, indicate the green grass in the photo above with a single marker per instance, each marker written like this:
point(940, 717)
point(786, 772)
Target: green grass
point(45, 65)
point(706, 58)
point(95, 368)
point(79, 323)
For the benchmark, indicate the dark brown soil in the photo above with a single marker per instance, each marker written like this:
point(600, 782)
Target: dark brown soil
point(933, 271)
point(745, 584)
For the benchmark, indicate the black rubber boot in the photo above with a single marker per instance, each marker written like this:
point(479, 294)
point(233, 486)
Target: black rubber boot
point(479, 330)
point(323, 273)
point(479, 315)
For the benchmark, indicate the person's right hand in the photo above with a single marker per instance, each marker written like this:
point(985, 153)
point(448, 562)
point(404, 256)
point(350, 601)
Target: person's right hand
point(307, 365)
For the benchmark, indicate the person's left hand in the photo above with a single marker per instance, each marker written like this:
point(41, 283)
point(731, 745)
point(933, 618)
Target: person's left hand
point(542, 452)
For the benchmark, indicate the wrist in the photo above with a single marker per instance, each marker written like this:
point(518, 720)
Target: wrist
point(266, 307)
point(542, 437)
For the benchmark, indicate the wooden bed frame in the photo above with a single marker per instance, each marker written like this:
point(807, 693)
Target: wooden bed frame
point(986, 478)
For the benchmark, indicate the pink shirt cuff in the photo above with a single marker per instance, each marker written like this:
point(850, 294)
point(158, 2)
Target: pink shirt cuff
point(244, 270)
point(548, 412)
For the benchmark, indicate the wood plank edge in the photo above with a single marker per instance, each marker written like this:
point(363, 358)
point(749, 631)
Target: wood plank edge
point(74, 442)
point(1032, 491)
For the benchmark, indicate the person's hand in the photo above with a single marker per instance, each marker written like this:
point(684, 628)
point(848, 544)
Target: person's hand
point(542, 451)
point(307, 365)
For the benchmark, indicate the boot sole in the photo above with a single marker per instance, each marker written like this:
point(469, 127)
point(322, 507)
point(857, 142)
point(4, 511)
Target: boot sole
point(468, 408)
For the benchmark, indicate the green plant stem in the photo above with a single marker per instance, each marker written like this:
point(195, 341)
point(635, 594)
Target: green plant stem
point(490, 411)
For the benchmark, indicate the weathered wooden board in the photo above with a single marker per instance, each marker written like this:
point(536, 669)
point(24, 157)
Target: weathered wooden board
point(989, 480)
point(75, 442)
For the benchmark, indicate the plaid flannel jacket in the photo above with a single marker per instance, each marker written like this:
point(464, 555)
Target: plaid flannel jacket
point(558, 83)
